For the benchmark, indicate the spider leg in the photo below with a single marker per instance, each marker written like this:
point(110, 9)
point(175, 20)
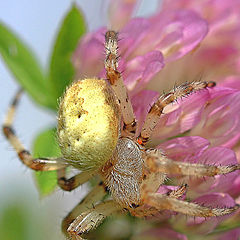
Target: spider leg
point(96, 194)
point(90, 219)
point(178, 192)
point(152, 181)
point(163, 202)
point(39, 164)
point(156, 110)
point(73, 182)
point(157, 162)
point(116, 81)
point(143, 210)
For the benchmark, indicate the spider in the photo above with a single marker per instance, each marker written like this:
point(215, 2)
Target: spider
point(97, 135)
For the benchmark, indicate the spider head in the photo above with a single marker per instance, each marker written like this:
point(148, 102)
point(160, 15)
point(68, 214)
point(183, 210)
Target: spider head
point(88, 123)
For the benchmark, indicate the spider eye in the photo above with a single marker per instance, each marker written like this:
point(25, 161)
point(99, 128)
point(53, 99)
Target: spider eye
point(88, 123)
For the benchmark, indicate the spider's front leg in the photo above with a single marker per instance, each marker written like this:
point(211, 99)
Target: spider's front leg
point(149, 186)
point(116, 81)
point(96, 194)
point(163, 202)
point(178, 192)
point(38, 164)
point(158, 162)
point(156, 110)
point(90, 219)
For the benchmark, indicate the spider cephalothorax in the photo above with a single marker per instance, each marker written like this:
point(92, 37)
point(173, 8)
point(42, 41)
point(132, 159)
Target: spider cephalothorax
point(97, 134)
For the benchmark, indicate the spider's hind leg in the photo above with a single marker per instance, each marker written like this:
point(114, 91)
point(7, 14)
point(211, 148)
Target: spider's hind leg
point(69, 184)
point(39, 164)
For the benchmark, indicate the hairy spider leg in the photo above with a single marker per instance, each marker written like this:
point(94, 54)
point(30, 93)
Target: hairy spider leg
point(96, 194)
point(90, 219)
point(156, 110)
point(38, 164)
point(163, 202)
point(158, 162)
point(145, 211)
point(178, 192)
point(116, 81)
point(75, 181)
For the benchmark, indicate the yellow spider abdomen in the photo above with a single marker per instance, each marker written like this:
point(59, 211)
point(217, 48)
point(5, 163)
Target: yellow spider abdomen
point(88, 123)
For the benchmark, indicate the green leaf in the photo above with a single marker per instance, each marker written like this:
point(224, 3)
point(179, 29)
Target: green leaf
point(24, 66)
point(61, 71)
point(13, 217)
point(45, 145)
point(22, 216)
